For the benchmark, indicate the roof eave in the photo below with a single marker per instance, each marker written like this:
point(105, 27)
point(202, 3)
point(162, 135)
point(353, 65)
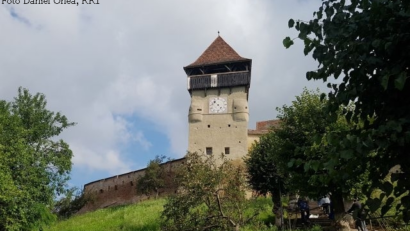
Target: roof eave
point(218, 63)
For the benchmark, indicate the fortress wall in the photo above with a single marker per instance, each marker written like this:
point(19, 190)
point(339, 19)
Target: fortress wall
point(122, 189)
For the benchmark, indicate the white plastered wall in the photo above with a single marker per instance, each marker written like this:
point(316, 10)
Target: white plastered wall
point(221, 130)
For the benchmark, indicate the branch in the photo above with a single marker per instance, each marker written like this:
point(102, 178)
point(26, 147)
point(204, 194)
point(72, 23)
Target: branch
point(249, 219)
point(220, 209)
point(210, 226)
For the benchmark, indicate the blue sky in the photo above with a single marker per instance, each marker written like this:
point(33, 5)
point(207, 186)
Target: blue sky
point(116, 69)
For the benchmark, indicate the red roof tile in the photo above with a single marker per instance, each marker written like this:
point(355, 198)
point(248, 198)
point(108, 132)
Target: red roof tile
point(257, 132)
point(218, 52)
point(268, 124)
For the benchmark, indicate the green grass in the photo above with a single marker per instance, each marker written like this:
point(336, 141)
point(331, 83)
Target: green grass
point(143, 216)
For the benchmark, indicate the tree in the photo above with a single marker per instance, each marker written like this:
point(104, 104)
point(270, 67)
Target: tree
point(303, 158)
point(367, 44)
point(264, 175)
point(209, 197)
point(34, 166)
point(71, 203)
point(154, 178)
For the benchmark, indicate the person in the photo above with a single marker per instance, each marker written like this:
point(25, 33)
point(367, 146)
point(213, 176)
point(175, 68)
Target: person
point(304, 210)
point(358, 214)
point(324, 203)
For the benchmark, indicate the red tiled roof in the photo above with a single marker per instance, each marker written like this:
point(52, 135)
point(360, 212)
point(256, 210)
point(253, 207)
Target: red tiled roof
point(218, 52)
point(257, 132)
point(263, 127)
point(266, 125)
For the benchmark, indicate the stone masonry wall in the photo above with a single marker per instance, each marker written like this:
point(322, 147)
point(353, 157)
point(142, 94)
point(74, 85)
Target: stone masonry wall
point(122, 189)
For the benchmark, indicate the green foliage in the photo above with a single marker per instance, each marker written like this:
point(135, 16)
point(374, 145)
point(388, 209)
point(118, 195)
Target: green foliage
point(154, 178)
point(263, 173)
point(71, 203)
point(366, 43)
point(210, 196)
point(301, 154)
point(143, 216)
point(33, 164)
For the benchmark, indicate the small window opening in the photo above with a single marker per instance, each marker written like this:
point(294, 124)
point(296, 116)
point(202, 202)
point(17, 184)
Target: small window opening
point(101, 191)
point(199, 109)
point(209, 150)
point(246, 107)
point(131, 183)
point(209, 125)
point(115, 187)
point(229, 125)
point(227, 150)
point(239, 141)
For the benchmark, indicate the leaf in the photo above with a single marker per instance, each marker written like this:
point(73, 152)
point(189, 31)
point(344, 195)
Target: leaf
point(406, 216)
point(387, 187)
point(400, 80)
point(287, 42)
point(387, 46)
point(311, 75)
point(405, 200)
point(291, 23)
point(322, 96)
point(373, 204)
point(291, 162)
point(347, 154)
point(376, 43)
point(387, 206)
point(385, 209)
point(385, 81)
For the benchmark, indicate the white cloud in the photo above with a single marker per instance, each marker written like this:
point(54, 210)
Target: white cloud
point(106, 160)
point(139, 137)
point(102, 64)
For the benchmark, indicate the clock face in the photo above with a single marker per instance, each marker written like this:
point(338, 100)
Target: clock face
point(218, 105)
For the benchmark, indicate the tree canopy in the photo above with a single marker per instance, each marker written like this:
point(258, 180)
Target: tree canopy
point(296, 155)
point(366, 43)
point(154, 178)
point(210, 196)
point(34, 165)
point(264, 175)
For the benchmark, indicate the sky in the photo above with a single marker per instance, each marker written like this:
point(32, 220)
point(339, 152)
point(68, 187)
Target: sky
point(116, 69)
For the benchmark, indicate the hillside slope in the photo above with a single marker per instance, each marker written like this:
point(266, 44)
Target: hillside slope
point(143, 216)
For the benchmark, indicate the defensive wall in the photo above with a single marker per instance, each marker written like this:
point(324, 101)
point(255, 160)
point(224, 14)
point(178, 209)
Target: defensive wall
point(122, 189)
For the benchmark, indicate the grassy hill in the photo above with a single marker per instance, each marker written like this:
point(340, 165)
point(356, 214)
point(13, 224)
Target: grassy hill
point(144, 216)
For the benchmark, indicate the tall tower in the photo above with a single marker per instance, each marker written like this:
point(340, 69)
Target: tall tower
point(218, 82)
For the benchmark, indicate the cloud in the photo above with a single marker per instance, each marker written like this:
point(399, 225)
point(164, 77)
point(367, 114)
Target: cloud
point(107, 160)
point(101, 65)
point(18, 17)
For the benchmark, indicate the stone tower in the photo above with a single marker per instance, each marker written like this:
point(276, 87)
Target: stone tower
point(218, 82)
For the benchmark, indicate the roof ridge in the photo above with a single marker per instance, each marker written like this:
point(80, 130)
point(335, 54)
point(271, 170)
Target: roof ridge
point(218, 52)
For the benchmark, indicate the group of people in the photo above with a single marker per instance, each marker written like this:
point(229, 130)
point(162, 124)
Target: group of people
point(356, 210)
point(323, 203)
